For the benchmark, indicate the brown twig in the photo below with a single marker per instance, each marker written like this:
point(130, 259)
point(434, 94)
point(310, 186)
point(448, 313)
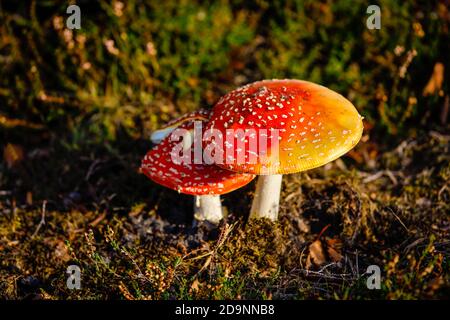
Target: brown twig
point(42, 222)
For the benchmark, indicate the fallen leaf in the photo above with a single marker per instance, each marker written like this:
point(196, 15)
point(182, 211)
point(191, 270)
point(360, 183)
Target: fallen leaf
point(435, 83)
point(316, 254)
point(334, 254)
point(29, 198)
point(12, 154)
point(321, 251)
point(195, 285)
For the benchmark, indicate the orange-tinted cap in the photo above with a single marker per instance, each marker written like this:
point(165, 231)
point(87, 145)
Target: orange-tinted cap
point(314, 125)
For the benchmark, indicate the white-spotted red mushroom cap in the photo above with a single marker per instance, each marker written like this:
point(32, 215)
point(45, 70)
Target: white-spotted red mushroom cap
point(314, 124)
point(189, 178)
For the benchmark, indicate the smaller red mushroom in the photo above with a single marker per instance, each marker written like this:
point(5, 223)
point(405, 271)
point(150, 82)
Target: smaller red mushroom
point(207, 182)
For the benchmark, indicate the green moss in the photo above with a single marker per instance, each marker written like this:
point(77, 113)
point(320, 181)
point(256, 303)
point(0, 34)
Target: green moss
point(136, 253)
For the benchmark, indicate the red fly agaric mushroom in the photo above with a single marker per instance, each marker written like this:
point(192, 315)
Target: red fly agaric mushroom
point(206, 182)
point(307, 125)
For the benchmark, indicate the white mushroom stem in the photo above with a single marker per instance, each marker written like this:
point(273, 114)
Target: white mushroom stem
point(267, 197)
point(208, 208)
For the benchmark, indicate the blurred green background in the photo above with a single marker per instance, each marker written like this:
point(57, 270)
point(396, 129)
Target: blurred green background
point(134, 65)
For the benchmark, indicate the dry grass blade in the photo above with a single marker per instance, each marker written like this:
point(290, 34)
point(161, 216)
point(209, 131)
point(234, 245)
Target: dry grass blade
point(224, 233)
point(42, 221)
